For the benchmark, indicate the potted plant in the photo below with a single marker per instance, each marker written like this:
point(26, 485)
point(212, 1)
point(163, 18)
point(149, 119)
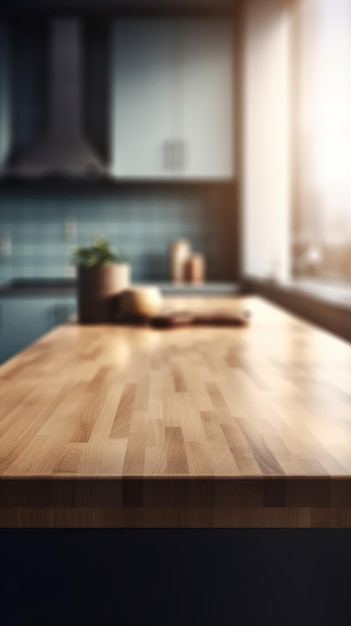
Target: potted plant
point(102, 274)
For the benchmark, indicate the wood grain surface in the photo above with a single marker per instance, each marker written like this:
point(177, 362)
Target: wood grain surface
point(118, 426)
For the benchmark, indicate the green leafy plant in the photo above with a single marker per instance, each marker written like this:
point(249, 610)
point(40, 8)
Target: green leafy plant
point(99, 253)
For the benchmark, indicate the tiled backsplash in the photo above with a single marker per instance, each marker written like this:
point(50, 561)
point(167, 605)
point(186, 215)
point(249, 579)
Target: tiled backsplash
point(141, 222)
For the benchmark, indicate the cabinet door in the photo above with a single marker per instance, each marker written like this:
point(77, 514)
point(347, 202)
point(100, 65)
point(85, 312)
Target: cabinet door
point(208, 102)
point(23, 320)
point(141, 97)
point(63, 309)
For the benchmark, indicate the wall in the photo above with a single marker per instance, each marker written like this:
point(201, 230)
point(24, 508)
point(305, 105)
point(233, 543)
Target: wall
point(4, 93)
point(266, 139)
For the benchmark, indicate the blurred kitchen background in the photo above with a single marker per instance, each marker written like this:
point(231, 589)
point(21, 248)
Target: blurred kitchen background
point(227, 124)
point(139, 206)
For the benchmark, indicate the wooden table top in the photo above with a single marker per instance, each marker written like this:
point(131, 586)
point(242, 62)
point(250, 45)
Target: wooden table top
point(268, 402)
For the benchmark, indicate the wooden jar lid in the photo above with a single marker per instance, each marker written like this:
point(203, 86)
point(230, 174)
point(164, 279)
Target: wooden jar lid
point(140, 301)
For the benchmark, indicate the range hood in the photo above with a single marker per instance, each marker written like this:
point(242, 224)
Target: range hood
point(63, 151)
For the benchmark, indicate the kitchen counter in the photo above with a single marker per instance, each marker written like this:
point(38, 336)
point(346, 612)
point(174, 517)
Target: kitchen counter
point(28, 288)
point(194, 427)
point(67, 287)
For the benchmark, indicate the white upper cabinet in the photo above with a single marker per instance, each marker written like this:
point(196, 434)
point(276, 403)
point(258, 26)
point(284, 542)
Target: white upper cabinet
point(141, 97)
point(172, 103)
point(208, 107)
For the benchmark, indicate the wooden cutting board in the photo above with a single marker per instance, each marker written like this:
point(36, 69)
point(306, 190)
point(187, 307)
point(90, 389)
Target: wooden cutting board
point(178, 319)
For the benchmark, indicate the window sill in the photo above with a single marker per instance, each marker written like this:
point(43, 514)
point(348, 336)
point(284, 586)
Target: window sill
point(324, 304)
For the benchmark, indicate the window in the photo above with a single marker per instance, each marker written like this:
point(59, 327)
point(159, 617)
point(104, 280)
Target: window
point(322, 241)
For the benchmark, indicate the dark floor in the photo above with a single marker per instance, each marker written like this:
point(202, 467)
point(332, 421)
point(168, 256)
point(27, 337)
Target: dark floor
point(152, 577)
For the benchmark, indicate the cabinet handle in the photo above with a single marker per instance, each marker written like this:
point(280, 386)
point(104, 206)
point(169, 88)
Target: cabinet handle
point(185, 154)
point(180, 153)
point(167, 154)
point(174, 154)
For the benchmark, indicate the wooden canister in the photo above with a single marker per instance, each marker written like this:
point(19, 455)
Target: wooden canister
point(195, 268)
point(179, 253)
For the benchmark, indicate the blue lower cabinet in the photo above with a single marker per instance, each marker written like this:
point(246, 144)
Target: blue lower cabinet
point(24, 320)
point(63, 308)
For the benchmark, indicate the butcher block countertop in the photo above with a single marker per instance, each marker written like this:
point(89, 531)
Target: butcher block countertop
point(117, 426)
